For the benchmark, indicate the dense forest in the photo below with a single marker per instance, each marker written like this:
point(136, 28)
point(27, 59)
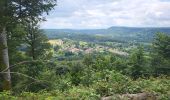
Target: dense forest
point(118, 63)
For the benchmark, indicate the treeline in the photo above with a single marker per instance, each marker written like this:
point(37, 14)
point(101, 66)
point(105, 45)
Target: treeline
point(112, 34)
point(82, 37)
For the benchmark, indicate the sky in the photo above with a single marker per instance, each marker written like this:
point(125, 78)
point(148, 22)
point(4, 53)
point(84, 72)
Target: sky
point(97, 14)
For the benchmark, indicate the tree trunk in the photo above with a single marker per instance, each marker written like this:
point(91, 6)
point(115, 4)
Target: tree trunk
point(4, 61)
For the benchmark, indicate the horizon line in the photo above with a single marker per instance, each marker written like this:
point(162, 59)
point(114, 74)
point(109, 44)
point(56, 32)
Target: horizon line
point(109, 27)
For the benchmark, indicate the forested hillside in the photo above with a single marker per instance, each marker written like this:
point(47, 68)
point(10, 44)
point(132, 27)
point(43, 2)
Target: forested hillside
point(118, 63)
point(142, 34)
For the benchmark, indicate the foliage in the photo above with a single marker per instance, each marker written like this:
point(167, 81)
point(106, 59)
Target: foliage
point(161, 45)
point(84, 66)
point(36, 42)
point(118, 84)
point(137, 63)
point(160, 55)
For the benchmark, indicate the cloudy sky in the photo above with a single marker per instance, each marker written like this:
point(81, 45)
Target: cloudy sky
point(90, 14)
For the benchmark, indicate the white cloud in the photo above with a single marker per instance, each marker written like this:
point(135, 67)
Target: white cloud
point(105, 13)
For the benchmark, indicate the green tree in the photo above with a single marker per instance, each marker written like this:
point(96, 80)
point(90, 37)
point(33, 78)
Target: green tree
point(161, 45)
point(15, 38)
point(137, 63)
point(37, 42)
point(161, 54)
point(11, 13)
point(88, 60)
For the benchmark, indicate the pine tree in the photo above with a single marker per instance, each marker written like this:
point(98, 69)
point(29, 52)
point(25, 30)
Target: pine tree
point(36, 41)
point(11, 13)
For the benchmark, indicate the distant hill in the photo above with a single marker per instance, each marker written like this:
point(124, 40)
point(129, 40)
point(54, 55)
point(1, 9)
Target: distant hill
point(143, 34)
point(135, 30)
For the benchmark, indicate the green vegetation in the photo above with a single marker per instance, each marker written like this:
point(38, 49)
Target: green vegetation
point(78, 64)
point(74, 73)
